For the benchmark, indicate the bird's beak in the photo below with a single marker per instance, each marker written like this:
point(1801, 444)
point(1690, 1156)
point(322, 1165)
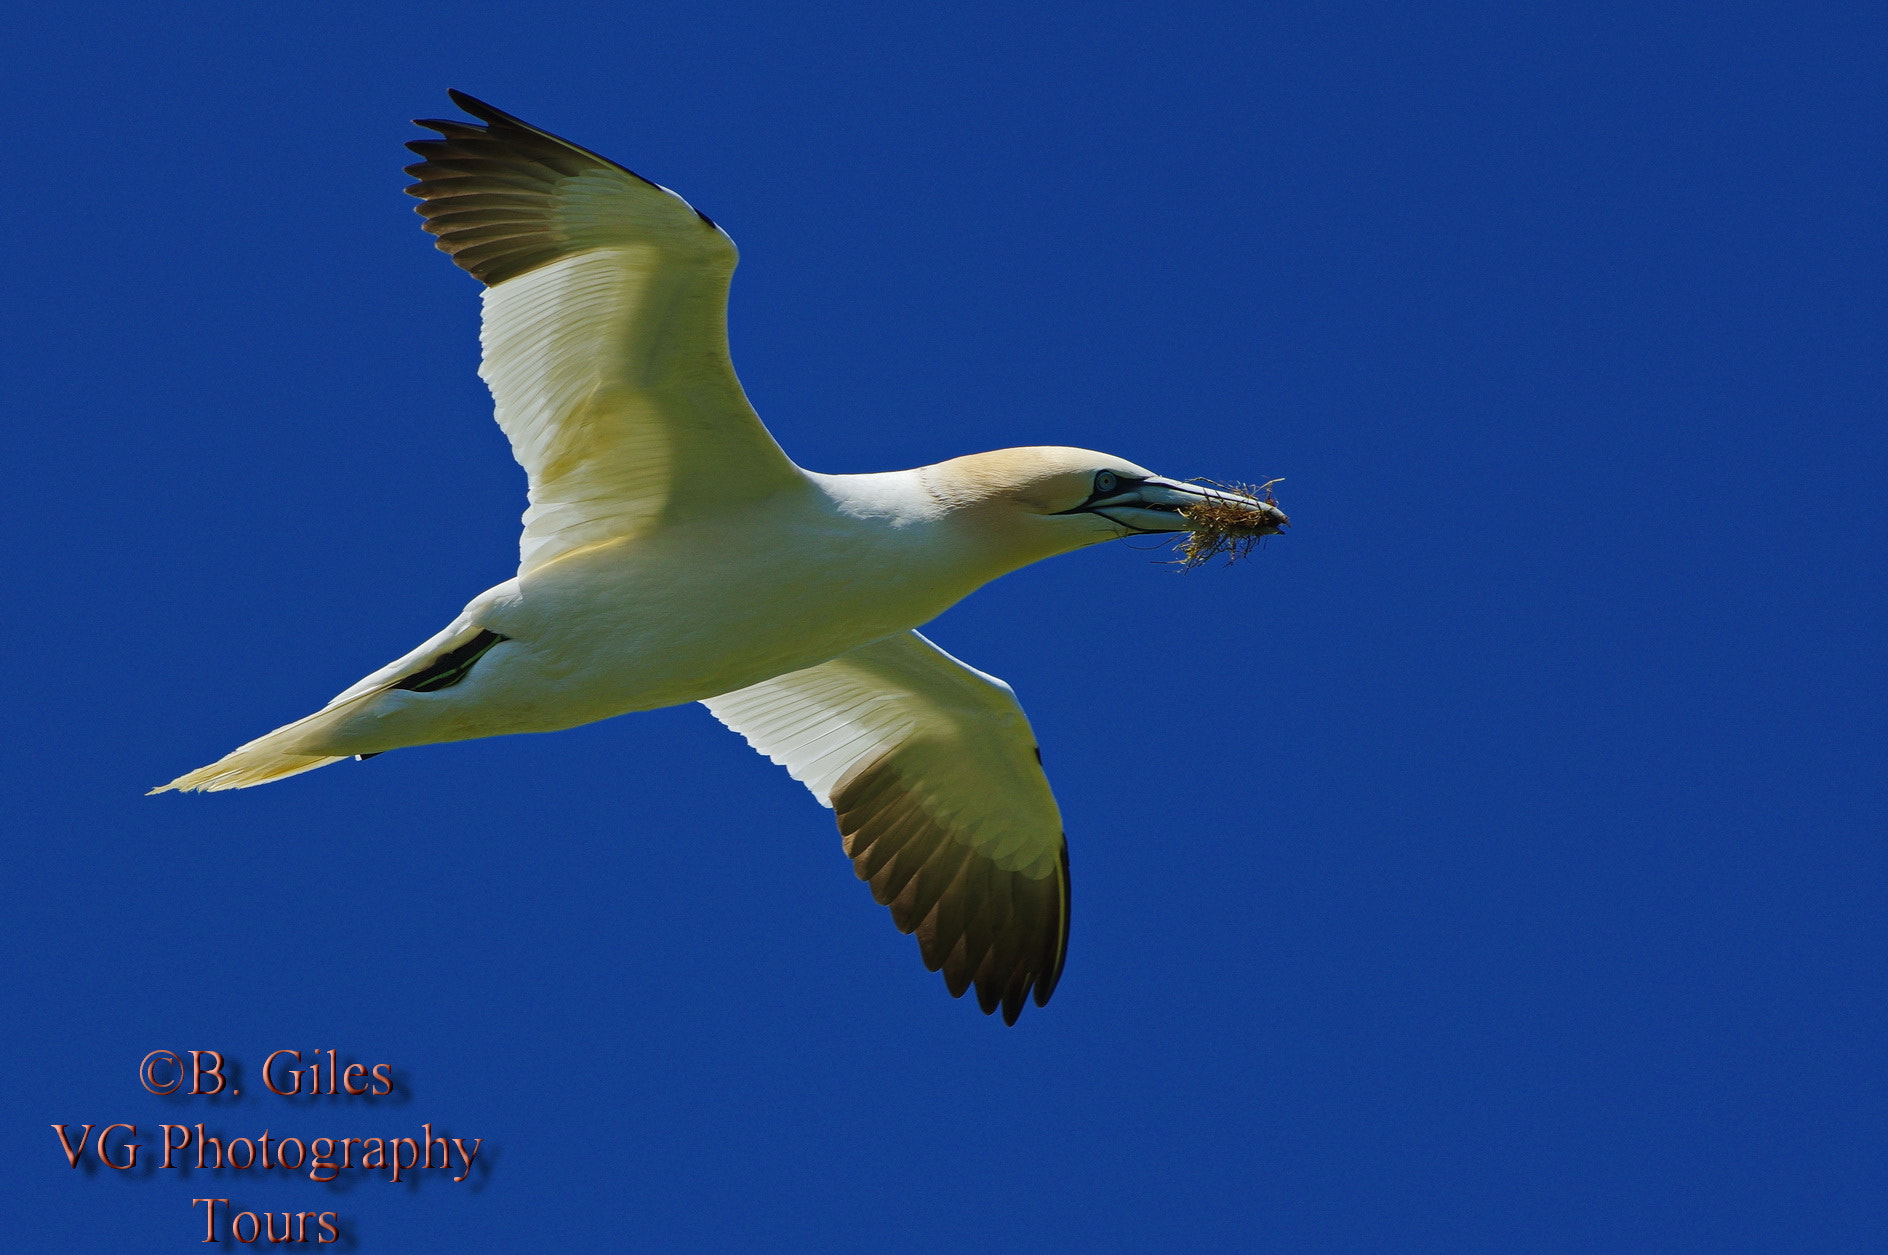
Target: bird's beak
point(1155, 504)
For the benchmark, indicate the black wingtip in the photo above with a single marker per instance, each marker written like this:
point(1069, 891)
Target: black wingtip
point(1047, 981)
point(493, 116)
point(489, 114)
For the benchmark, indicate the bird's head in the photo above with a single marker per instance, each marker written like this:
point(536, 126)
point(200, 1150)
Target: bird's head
point(1041, 501)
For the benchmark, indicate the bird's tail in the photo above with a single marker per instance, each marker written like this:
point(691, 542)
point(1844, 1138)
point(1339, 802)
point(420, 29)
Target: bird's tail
point(309, 742)
point(285, 752)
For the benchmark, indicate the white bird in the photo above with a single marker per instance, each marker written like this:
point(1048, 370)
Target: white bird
point(672, 553)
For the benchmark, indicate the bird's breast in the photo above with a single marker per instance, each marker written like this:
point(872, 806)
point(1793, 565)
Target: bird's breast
point(697, 612)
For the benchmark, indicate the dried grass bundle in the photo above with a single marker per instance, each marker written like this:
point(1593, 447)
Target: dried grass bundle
point(1229, 527)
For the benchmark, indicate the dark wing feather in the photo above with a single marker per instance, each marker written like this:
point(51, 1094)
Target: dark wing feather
point(518, 177)
point(931, 770)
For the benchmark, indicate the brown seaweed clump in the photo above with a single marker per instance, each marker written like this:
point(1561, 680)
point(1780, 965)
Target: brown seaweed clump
point(1229, 527)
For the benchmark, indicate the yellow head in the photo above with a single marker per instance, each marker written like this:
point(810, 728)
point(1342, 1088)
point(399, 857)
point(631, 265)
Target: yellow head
point(1032, 503)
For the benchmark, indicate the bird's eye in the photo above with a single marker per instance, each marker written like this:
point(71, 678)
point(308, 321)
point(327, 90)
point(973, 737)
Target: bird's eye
point(1107, 481)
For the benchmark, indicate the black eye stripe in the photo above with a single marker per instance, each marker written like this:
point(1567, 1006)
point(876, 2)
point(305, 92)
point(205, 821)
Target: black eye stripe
point(1109, 484)
point(1103, 488)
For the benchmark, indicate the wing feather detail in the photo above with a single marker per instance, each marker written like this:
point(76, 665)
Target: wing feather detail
point(931, 769)
point(605, 332)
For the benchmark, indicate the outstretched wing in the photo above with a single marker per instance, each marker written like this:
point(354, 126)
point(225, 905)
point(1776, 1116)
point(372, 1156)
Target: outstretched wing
point(934, 775)
point(605, 332)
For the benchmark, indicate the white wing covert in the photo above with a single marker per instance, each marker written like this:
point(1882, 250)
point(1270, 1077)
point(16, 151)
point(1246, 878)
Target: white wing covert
point(605, 332)
point(933, 773)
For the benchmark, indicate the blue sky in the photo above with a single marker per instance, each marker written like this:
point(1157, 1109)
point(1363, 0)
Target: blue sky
point(1492, 864)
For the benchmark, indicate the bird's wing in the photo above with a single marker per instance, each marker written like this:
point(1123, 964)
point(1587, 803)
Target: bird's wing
point(605, 333)
point(934, 775)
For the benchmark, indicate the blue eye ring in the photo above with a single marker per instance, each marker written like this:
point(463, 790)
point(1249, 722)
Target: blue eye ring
point(1106, 481)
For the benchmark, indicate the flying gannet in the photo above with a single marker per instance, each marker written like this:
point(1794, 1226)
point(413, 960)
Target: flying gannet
point(672, 553)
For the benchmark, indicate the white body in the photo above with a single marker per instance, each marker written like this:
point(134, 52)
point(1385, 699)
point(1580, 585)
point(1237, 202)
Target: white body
point(684, 613)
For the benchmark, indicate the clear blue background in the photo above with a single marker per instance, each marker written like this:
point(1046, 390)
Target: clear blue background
point(1494, 864)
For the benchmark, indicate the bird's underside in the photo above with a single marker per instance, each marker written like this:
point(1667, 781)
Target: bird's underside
point(605, 350)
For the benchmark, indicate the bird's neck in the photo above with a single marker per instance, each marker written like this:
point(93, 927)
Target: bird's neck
point(964, 543)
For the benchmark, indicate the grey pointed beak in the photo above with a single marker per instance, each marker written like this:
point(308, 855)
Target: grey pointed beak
point(1154, 505)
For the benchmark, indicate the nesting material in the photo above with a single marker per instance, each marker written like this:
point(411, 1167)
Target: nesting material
point(1227, 527)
